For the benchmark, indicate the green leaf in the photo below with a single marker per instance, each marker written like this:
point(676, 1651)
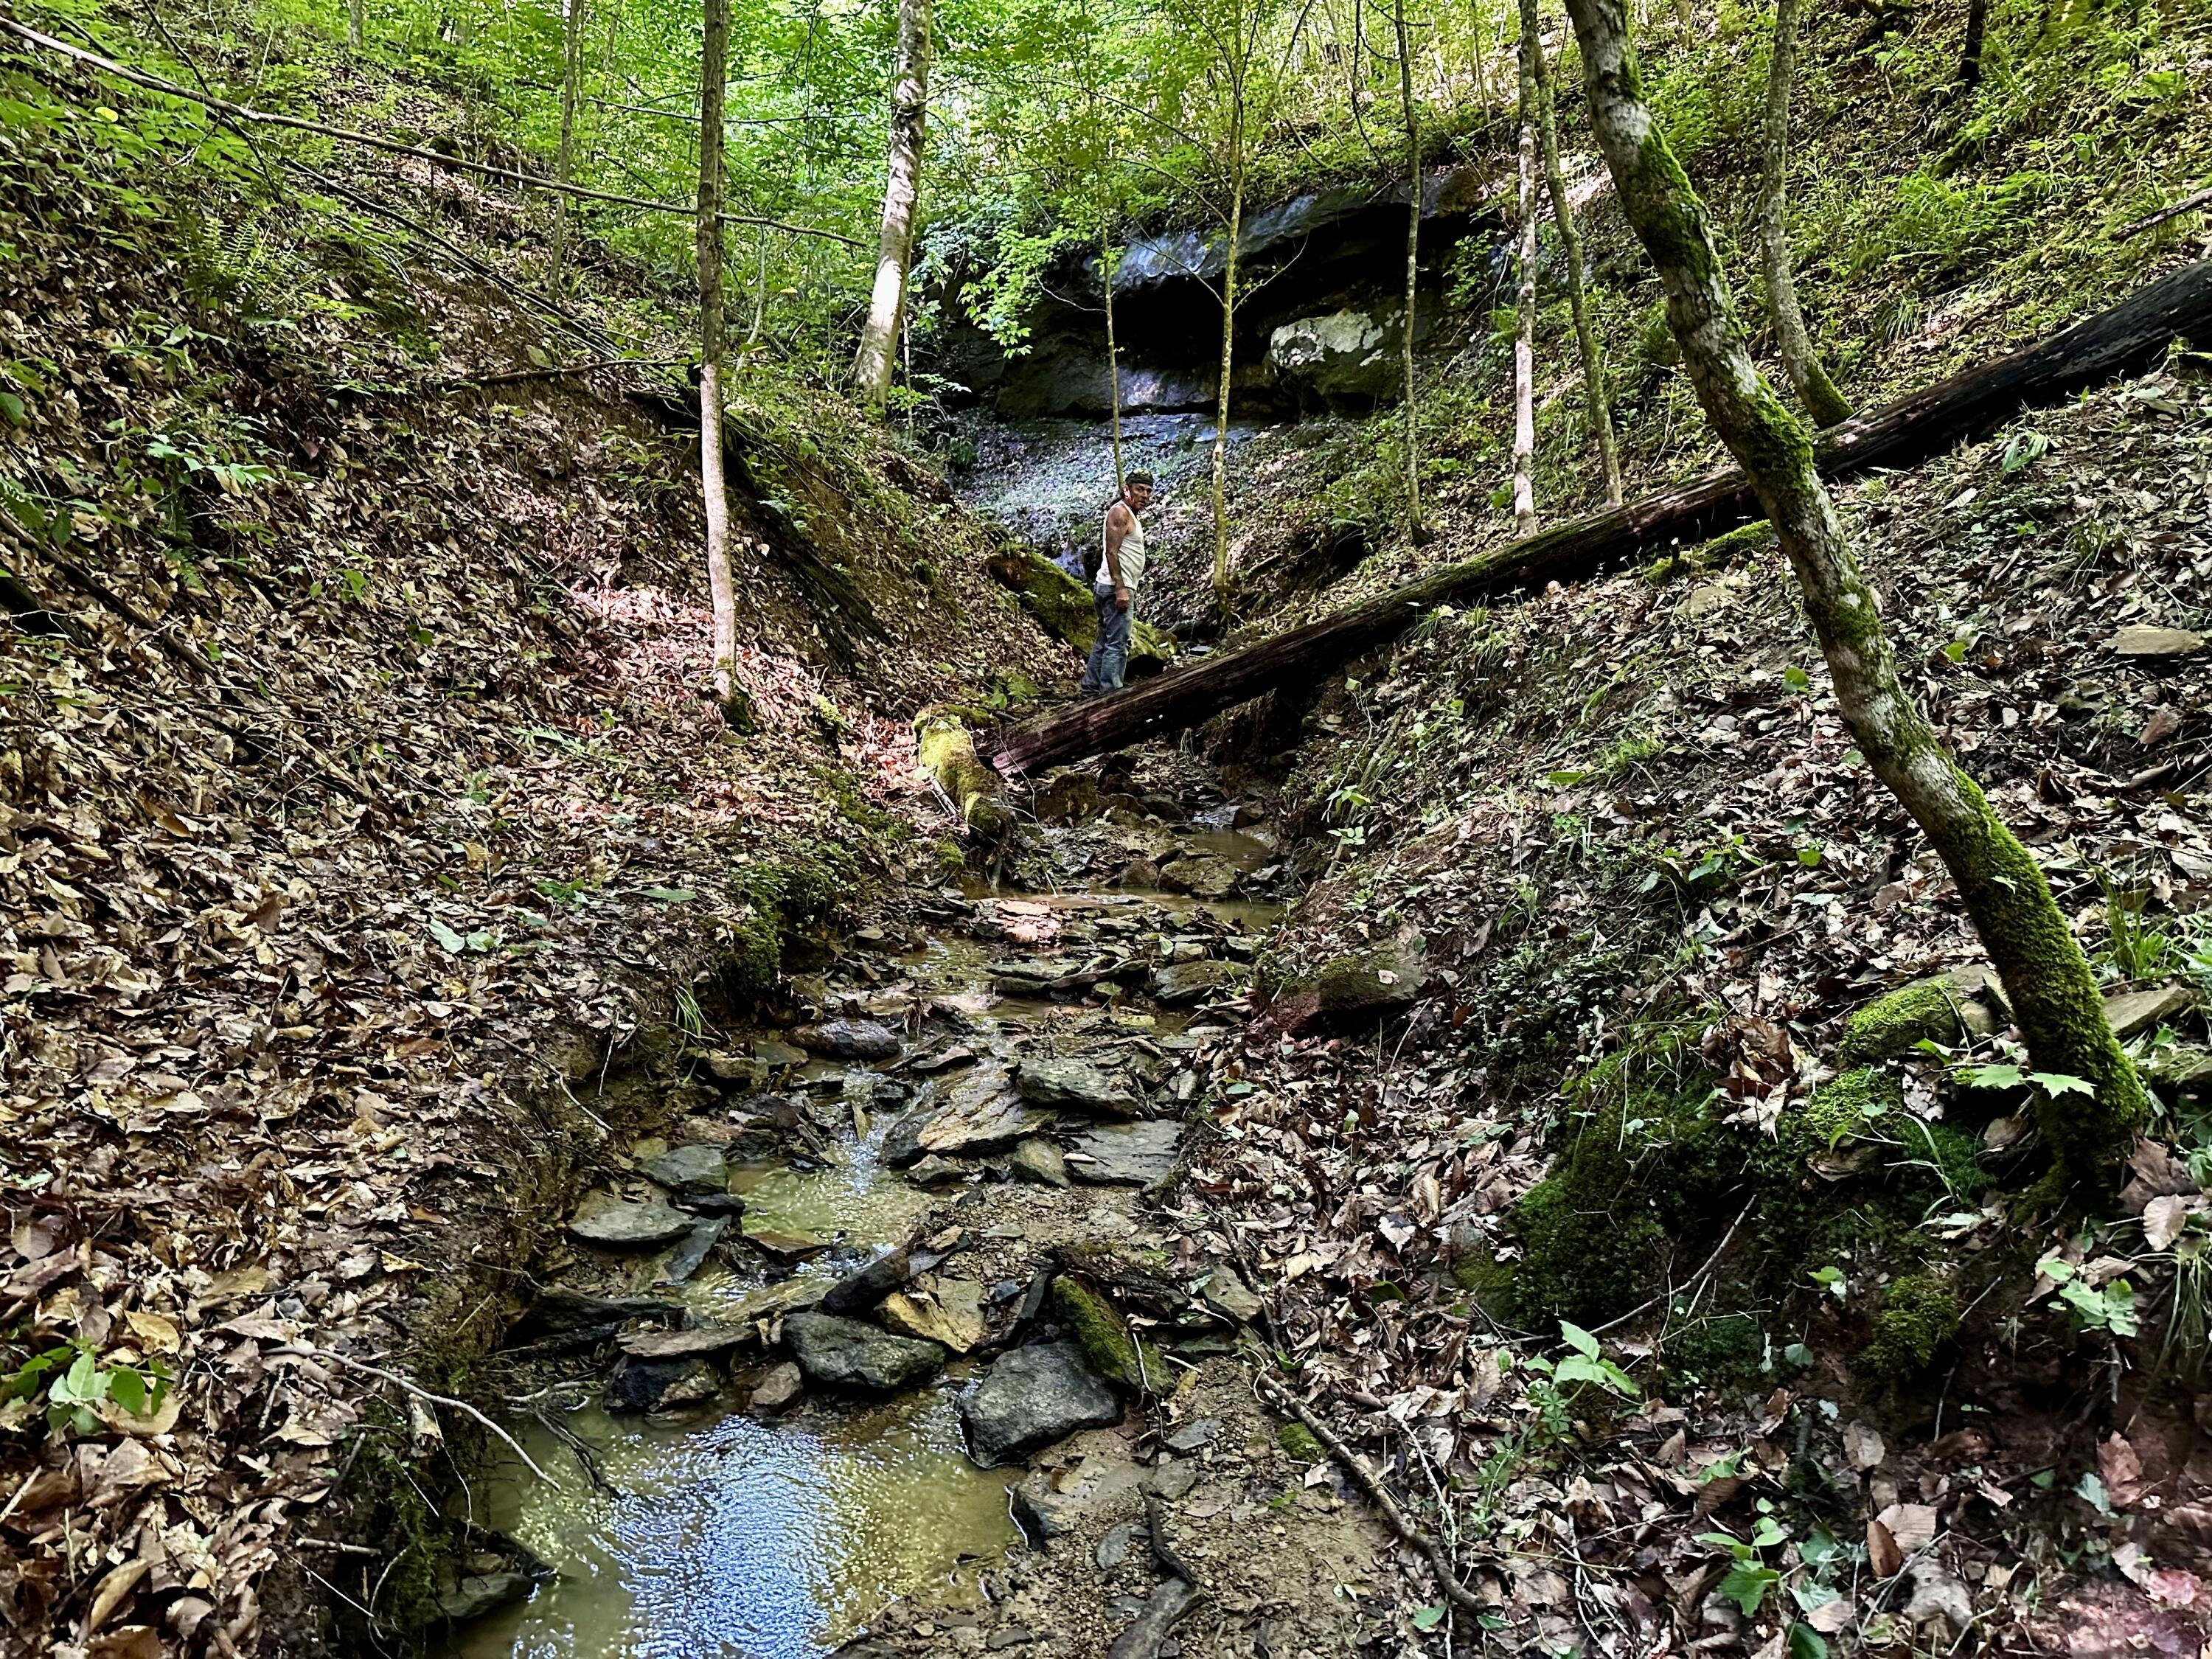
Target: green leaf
point(2000, 1076)
point(1809, 857)
point(2092, 1489)
point(1796, 678)
point(1428, 1617)
point(449, 941)
point(1747, 1585)
point(1578, 1339)
point(128, 1389)
point(2055, 1083)
point(1806, 1642)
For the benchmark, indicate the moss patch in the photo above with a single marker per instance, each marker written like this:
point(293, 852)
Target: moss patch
point(1893, 1025)
point(1722, 1352)
point(1919, 1316)
point(1297, 1440)
point(1115, 1353)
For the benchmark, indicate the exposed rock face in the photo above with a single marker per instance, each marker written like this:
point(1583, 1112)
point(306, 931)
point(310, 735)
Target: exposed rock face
point(1127, 1154)
point(850, 1039)
point(1032, 1398)
point(1343, 356)
point(1350, 991)
point(949, 1311)
point(844, 1353)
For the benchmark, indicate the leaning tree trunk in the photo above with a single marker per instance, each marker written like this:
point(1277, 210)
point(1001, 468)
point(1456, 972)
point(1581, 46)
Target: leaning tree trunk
point(714, 69)
point(1228, 354)
point(572, 53)
point(1570, 244)
point(872, 366)
point(1814, 389)
point(2053, 995)
point(1524, 325)
point(1412, 265)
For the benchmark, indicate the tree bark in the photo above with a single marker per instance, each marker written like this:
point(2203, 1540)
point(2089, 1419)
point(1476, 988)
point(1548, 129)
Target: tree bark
point(2053, 995)
point(714, 71)
point(1970, 55)
point(1524, 327)
point(571, 56)
point(1815, 390)
point(1107, 262)
point(2126, 339)
point(354, 28)
point(1413, 265)
point(1571, 243)
point(1228, 347)
point(871, 367)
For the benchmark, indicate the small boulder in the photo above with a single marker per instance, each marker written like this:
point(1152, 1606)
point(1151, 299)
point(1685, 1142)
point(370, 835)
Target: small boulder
point(1032, 1398)
point(743, 1074)
point(1201, 875)
point(2133, 1012)
point(1896, 1023)
point(777, 1055)
point(866, 1285)
point(485, 1593)
point(626, 1224)
point(1182, 984)
point(850, 1039)
point(659, 1385)
point(779, 1388)
point(1350, 991)
point(1227, 1294)
point(1075, 1084)
point(1108, 1344)
point(1039, 1161)
point(2141, 641)
point(1127, 1154)
point(846, 1353)
point(691, 1172)
point(934, 1171)
point(950, 1312)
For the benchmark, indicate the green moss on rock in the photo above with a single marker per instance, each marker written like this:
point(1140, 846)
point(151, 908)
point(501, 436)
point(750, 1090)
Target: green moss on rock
point(1723, 1353)
point(1895, 1023)
point(1919, 1316)
point(1115, 1353)
point(1297, 1441)
point(1586, 1256)
point(1839, 1110)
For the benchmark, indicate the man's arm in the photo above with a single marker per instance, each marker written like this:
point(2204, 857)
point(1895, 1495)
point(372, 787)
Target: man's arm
point(1118, 520)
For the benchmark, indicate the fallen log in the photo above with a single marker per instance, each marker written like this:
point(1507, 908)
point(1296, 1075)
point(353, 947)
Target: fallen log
point(2123, 339)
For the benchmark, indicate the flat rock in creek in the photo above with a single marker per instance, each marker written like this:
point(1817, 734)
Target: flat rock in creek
point(655, 1385)
point(686, 1344)
point(483, 1593)
point(692, 1251)
point(629, 1224)
point(850, 1039)
point(787, 1247)
point(1038, 1160)
point(866, 1285)
point(981, 1114)
point(1126, 1154)
point(1032, 1398)
point(775, 1054)
point(1201, 876)
point(690, 1170)
point(1182, 984)
point(1074, 1082)
point(789, 1296)
point(779, 1387)
point(845, 1353)
point(743, 1074)
point(950, 1312)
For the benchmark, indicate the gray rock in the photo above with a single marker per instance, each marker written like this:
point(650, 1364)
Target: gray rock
point(1114, 1548)
point(743, 1074)
point(1202, 876)
point(1344, 355)
point(653, 1385)
point(685, 1259)
point(1226, 1294)
point(850, 1039)
point(698, 1343)
point(1147, 1633)
point(1127, 1154)
point(779, 1388)
point(865, 1286)
point(1199, 1431)
point(690, 1170)
point(623, 1224)
point(559, 1309)
point(2141, 641)
point(1038, 1161)
point(776, 1054)
point(2133, 1012)
point(1182, 983)
point(1074, 1082)
point(483, 1593)
point(1353, 991)
point(1032, 1398)
point(846, 1354)
point(934, 1171)
point(1173, 1482)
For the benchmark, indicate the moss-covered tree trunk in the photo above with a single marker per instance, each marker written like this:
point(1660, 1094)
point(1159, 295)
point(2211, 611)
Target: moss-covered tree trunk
point(1524, 321)
point(1412, 264)
point(1570, 244)
point(1815, 390)
point(2053, 995)
point(714, 71)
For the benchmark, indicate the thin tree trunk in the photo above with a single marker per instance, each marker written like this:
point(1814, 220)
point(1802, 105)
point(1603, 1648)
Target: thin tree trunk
point(714, 71)
point(354, 24)
point(572, 63)
point(2053, 996)
point(1524, 328)
point(1412, 265)
point(1107, 263)
point(1814, 389)
point(872, 366)
point(1970, 55)
point(760, 303)
point(1228, 350)
point(1562, 214)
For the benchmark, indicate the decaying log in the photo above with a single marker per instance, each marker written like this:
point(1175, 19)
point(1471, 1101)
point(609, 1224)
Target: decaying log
point(2123, 339)
point(948, 752)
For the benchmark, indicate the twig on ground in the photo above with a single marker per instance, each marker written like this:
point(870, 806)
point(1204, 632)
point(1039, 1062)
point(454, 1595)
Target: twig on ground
point(2186, 204)
point(422, 1392)
point(1163, 1552)
point(1371, 1483)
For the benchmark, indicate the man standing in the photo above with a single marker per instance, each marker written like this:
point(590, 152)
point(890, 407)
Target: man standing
point(1120, 573)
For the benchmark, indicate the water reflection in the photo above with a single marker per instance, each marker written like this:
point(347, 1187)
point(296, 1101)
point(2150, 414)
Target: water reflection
point(736, 1539)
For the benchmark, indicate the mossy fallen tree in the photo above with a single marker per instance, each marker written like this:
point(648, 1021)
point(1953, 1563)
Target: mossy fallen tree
point(2122, 340)
point(948, 752)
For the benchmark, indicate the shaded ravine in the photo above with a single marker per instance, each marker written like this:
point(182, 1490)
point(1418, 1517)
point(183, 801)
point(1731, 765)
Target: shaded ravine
point(725, 1529)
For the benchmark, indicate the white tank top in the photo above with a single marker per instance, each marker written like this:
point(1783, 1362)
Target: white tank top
point(1133, 555)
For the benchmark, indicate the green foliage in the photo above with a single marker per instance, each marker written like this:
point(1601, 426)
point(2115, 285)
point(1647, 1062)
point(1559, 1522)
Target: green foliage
point(1918, 1317)
point(1899, 1022)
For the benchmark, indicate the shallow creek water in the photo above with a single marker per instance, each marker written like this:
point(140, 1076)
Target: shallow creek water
point(720, 1535)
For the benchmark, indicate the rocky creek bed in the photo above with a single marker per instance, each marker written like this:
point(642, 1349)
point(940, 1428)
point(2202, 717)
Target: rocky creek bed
point(835, 1360)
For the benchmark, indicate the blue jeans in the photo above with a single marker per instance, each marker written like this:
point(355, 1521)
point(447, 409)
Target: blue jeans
point(1103, 673)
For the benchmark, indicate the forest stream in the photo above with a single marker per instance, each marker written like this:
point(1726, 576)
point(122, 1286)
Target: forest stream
point(783, 1528)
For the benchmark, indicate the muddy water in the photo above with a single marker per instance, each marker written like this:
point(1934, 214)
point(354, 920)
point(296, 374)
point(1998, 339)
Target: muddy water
point(719, 1534)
